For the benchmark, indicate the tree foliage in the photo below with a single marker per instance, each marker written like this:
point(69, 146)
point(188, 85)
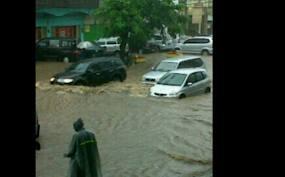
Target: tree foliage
point(134, 20)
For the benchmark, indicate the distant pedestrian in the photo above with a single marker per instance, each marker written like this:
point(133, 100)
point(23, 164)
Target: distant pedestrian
point(83, 153)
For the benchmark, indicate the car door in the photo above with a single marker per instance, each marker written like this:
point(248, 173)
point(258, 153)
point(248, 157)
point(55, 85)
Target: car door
point(196, 63)
point(194, 87)
point(201, 44)
point(54, 48)
point(67, 47)
point(107, 71)
point(94, 75)
point(201, 82)
point(186, 46)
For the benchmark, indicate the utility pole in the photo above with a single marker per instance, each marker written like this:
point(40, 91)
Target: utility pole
point(200, 23)
point(205, 25)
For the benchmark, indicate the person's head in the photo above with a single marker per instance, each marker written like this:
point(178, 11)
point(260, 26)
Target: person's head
point(78, 125)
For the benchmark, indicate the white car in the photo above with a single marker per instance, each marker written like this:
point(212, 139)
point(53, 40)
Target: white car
point(85, 45)
point(197, 45)
point(181, 83)
point(111, 44)
point(170, 64)
point(156, 43)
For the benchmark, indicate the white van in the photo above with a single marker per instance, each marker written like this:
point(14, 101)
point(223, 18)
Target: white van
point(197, 45)
point(111, 44)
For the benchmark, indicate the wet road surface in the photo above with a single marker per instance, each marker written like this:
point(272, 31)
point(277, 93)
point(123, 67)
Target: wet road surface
point(138, 136)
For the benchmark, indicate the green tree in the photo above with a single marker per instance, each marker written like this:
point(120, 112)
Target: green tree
point(134, 20)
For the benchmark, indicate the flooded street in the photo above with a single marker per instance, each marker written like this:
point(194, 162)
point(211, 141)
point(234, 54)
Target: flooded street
point(138, 136)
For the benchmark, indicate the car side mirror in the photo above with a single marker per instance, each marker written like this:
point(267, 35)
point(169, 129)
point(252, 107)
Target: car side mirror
point(152, 68)
point(189, 84)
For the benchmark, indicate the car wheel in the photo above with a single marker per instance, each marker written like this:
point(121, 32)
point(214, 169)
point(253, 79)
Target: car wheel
point(118, 78)
point(66, 60)
point(182, 96)
point(205, 53)
point(208, 90)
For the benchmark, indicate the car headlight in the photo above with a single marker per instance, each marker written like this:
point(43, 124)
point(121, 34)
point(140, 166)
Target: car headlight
point(67, 80)
point(52, 79)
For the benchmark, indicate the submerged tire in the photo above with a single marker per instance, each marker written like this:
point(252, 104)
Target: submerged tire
point(118, 78)
point(205, 53)
point(208, 90)
point(182, 96)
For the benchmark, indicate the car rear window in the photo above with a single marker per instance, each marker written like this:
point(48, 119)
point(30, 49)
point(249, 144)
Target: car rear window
point(197, 62)
point(191, 63)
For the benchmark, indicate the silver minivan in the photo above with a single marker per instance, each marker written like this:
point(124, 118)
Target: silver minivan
point(197, 45)
point(181, 83)
point(170, 64)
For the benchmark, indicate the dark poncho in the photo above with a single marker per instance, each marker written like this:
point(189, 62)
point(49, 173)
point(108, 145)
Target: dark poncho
point(83, 151)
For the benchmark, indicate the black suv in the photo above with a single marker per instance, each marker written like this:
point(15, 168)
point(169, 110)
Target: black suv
point(92, 71)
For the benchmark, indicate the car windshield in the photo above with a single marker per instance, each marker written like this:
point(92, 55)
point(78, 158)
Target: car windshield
point(166, 66)
point(78, 68)
point(174, 79)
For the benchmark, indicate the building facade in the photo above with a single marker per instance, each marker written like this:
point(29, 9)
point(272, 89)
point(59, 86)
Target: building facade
point(67, 18)
point(200, 16)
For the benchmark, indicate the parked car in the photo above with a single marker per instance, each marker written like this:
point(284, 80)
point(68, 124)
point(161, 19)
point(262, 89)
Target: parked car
point(58, 49)
point(197, 45)
point(156, 44)
point(181, 83)
point(91, 49)
point(92, 71)
point(111, 44)
point(170, 64)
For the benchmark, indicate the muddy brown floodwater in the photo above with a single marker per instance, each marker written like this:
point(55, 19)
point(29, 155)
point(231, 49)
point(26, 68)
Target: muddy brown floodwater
point(138, 136)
